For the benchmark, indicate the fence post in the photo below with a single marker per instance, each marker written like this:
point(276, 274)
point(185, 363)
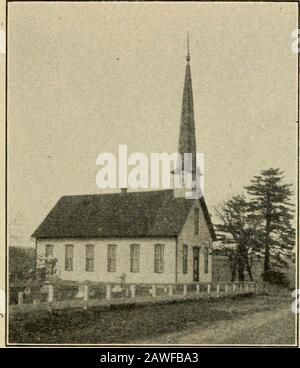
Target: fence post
point(218, 290)
point(226, 288)
point(233, 287)
point(241, 287)
point(85, 296)
point(20, 298)
point(50, 297)
point(198, 289)
point(108, 291)
point(170, 290)
point(208, 288)
point(247, 287)
point(153, 290)
point(184, 289)
point(132, 291)
point(50, 294)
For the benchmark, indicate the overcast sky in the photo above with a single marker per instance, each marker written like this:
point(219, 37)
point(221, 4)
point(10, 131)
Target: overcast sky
point(84, 78)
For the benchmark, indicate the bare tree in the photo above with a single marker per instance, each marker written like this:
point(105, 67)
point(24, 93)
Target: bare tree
point(237, 233)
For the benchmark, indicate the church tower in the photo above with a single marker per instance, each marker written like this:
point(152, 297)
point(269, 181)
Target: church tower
point(187, 165)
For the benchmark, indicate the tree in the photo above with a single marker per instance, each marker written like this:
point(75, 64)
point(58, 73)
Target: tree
point(237, 233)
point(14, 229)
point(21, 263)
point(271, 207)
point(46, 268)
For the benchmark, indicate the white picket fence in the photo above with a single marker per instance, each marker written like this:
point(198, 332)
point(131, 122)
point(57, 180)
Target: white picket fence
point(51, 295)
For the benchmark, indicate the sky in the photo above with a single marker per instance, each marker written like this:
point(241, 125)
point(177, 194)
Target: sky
point(84, 78)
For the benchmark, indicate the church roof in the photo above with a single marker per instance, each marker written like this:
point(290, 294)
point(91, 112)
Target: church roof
point(132, 214)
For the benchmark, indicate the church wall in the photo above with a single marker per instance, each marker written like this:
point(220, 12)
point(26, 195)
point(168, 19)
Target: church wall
point(203, 240)
point(101, 273)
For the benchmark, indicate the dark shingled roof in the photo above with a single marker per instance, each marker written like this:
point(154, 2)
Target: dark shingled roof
point(131, 214)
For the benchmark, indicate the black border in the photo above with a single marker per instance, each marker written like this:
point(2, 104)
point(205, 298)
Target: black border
point(133, 346)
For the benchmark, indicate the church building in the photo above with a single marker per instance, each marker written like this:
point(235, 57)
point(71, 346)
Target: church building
point(145, 237)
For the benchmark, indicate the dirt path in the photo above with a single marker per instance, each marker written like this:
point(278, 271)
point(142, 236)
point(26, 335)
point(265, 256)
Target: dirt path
point(268, 327)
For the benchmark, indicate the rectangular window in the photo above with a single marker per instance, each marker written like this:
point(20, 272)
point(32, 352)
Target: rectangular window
point(69, 257)
point(49, 250)
point(196, 221)
point(111, 258)
point(89, 262)
point(158, 258)
point(134, 258)
point(185, 259)
point(206, 260)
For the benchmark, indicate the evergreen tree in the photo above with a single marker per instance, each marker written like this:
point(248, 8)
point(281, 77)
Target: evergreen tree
point(271, 207)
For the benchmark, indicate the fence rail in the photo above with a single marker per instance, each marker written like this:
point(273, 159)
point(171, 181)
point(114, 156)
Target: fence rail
point(52, 295)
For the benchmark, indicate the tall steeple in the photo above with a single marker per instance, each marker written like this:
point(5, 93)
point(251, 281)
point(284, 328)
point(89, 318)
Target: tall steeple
point(187, 139)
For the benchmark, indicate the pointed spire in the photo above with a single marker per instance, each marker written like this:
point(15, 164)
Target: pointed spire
point(188, 56)
point(187, 139)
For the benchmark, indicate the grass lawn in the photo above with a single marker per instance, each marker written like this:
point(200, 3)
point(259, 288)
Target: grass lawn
point(152, 323)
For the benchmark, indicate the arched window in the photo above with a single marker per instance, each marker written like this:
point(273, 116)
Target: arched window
point(49, 250)
point(196, 219)
point(48, 255)
point(158, 258)
point(111, 258)
point(185, 258)
point(89, 260)
point(134, 258)
point(69, 257)
point(206, 260)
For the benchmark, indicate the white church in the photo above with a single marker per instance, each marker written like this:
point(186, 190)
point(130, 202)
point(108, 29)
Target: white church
point(147, 237)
